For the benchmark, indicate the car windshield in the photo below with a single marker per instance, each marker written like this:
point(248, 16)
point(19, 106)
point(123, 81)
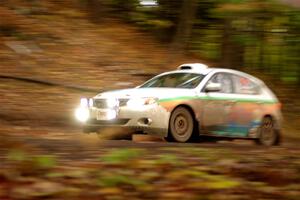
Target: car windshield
point(175, 80)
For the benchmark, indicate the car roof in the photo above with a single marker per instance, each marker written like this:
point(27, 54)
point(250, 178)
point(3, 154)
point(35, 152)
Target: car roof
point(206, 71)
point(202, 71)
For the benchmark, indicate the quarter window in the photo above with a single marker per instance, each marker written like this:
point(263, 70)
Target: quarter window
point(243, 85)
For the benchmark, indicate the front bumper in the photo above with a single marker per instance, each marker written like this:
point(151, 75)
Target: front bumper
point(151, 119)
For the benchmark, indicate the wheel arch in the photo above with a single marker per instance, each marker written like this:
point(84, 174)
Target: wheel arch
point(277, 127)
point(191, 110)
point(188, 107)
point(274, 119)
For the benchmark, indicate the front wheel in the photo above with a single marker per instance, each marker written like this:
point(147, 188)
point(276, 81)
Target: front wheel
point(181, 125)
point(268, 135)
point(88, 129)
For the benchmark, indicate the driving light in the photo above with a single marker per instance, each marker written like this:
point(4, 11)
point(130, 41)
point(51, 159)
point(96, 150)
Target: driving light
point(84, 102)
point(112, 102)
point(82, 114)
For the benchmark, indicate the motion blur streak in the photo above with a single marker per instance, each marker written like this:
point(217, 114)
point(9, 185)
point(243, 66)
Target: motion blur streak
point(57, 51)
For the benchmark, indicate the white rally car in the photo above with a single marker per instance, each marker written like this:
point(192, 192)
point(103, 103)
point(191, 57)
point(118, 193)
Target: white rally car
point(191, 101)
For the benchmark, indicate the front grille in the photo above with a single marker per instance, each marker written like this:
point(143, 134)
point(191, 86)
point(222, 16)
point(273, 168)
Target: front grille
point(102, 104)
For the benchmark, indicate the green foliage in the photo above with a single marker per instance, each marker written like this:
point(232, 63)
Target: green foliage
point(121, 156)
point(115, 180)
point(45, 161)
point(17, 155)
point(26, 163)
point(169, 159)
point(245, 39)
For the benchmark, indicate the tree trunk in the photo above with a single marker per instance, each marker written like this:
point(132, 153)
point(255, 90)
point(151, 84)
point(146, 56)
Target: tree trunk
point(226, 51)
point(232, 52)
point(185, 25)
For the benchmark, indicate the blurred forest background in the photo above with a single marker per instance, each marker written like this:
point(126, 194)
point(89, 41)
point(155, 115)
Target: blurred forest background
point(98, 44)
point(242, 34)
point(52, 52)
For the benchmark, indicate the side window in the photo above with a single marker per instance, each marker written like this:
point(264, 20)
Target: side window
point(244, 85)
point(225, 80)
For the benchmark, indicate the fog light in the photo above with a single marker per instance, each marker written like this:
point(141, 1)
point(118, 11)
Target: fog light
point(145, 121)
point(82, 114)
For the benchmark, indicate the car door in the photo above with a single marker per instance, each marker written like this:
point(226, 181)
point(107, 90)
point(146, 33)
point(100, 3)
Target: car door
point(245, 114)
point(217, 106)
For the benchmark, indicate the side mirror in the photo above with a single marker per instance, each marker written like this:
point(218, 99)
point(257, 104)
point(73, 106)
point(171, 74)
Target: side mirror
point(213, 87)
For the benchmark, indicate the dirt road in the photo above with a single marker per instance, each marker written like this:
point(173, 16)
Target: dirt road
point(63, 163)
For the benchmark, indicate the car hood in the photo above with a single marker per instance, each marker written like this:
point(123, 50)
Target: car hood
point(147, 92)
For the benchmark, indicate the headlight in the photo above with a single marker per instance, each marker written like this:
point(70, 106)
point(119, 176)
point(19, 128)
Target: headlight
point(84, 102)
point(82, 114)
point(112, 102)
point(141, 101)
point(150, 101)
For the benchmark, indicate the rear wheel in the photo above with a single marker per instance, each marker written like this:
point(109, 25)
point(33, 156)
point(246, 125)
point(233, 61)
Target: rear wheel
point(268, 135)
point(181, 125)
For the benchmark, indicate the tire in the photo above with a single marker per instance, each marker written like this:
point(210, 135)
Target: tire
point(181, 125)
point(268, 134)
